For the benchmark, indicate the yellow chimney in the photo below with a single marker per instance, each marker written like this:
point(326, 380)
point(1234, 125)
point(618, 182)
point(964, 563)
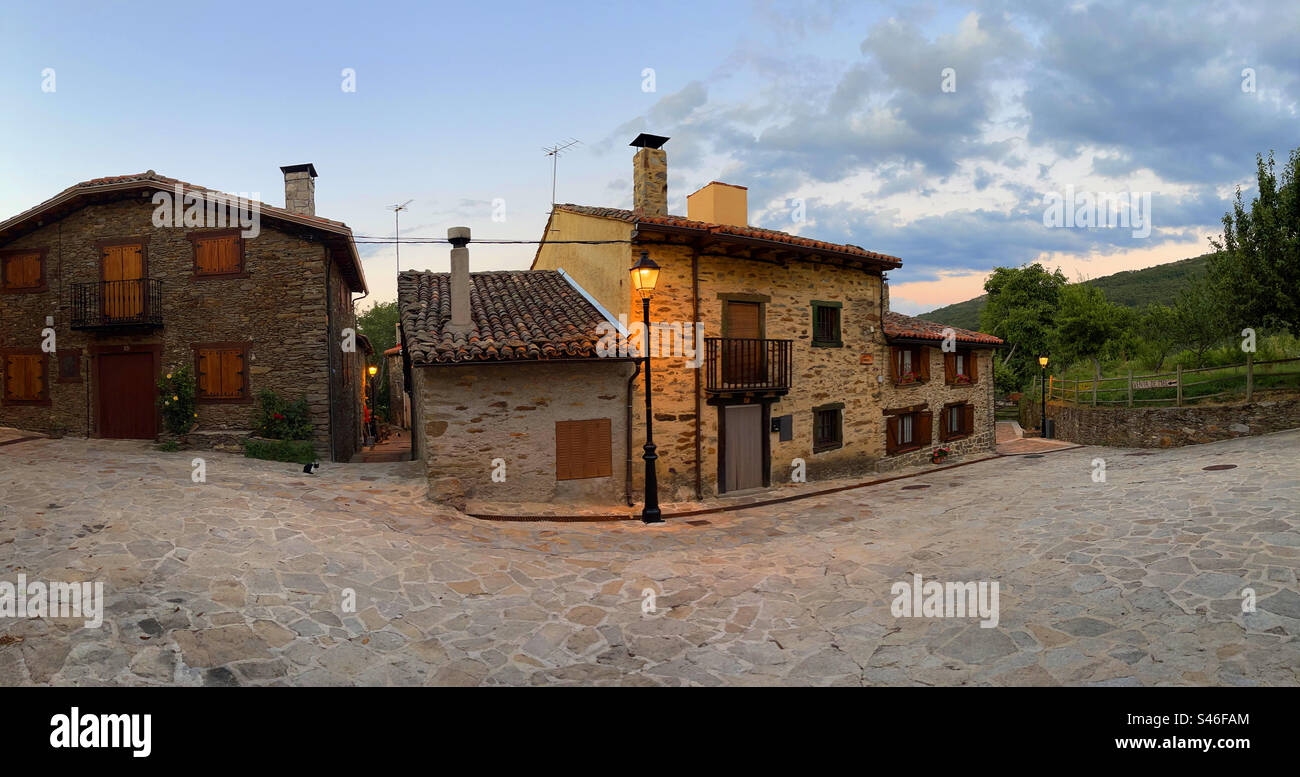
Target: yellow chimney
point(719, 203)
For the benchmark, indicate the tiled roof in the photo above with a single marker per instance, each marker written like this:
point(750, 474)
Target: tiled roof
point(730, 230)
point(518, 315)
point(396, 349)
point(898, 325)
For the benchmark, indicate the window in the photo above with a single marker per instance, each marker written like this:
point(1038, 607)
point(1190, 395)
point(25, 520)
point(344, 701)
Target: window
point(25, 372)
point(908, 365)
point(959, 367)
point(582, 449)
point(69, 367)
point(218, 253)
point(22, 271)
point(826, 324)
point(828, 427)
point(958, 420)
point(221, 370)
point(907, 429)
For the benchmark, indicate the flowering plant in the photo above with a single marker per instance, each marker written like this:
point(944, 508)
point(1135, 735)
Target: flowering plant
point(176, 399)
point(961, 379)
point(939, 454)
point(279, 419)
point(908, 377)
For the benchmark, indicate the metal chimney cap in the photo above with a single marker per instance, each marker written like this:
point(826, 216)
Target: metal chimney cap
point(308, 168)
point(458, 236)
point(646, 140)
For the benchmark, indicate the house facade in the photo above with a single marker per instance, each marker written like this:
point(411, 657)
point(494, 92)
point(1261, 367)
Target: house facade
point(794, 367)
point(510, 399)
point(116, 281)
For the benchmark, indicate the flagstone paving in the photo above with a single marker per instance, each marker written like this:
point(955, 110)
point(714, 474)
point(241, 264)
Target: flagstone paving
point(242, 580)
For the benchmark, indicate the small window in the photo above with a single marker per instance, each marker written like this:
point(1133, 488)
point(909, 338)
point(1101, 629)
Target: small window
point(906, 430)
point(909, 365)
point(960, 368)
point(218, 253)
point(828, 427)
point(826, 324)
point(582, 449)
point(25, 378)
point(958, 421)
point(222, 372)
point(22, 271)
point(69, 367)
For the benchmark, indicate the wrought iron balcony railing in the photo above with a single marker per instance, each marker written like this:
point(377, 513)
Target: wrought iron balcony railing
point(736, 364)
point(117, 304)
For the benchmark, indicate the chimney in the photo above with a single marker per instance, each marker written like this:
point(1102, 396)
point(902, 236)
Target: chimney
point(300, 189)
point(719, 203)
point(650, 175)
point(460, 319)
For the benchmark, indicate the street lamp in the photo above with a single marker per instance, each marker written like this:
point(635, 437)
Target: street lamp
point(645, 274)
point(1042, 378)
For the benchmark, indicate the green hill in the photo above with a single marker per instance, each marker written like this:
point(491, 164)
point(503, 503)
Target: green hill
point(1131, 288)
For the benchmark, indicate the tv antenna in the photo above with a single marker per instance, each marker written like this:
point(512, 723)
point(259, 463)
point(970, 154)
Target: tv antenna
point(397, 232)
point(554, 153)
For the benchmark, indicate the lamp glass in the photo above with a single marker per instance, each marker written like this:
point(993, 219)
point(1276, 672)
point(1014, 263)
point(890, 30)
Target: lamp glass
point(1042, 361)
point(645, 274)
point(372, 369)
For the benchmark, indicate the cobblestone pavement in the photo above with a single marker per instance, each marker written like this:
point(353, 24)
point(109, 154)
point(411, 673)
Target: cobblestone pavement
point(240, 580)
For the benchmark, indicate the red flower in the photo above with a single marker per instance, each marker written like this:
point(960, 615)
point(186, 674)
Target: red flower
point(279, 417)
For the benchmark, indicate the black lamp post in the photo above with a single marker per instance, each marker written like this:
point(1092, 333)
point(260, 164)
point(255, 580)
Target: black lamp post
point(1042, 420)
point(645, 274)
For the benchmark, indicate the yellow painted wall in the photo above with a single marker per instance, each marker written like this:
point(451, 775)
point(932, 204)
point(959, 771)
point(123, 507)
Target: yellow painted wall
point(600, 269)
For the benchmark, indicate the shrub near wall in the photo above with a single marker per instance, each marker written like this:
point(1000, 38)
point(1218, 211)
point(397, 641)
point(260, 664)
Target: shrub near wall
point(1164, 427)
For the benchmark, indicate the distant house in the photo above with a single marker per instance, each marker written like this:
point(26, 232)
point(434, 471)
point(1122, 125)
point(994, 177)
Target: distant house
point(802, 369)
point(510, 399)
point(139, 274)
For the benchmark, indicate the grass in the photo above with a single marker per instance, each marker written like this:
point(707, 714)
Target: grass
point(296, 451)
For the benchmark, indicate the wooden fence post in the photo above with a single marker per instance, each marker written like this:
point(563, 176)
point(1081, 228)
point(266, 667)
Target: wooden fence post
point(1096, 378)
point(1130, 387)
point(1179, 401)
point(1250, 375)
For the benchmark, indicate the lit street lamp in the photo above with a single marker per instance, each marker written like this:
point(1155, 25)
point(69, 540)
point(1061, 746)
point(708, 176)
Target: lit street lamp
point(1042, 420)
point(645, 274)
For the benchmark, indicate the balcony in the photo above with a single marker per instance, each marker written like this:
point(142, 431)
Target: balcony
point(134, 304)
point(746, 365)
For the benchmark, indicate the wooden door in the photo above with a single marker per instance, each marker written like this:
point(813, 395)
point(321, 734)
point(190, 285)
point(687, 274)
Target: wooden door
point(126, 396)
point(743, 447)
point(123, 270)
point(743, 356)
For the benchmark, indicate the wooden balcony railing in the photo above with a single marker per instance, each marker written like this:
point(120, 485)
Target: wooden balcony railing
point(117, 304)
point(735, 364)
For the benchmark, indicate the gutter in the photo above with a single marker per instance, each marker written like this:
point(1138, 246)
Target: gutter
point(695, 317)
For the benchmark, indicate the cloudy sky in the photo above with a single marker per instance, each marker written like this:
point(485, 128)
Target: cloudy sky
point(936, 132)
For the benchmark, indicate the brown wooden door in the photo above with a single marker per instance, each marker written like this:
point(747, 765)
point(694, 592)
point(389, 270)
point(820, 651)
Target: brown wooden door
point(743, 451)
point(123, 291)
point(126, 396)
point(742, 350)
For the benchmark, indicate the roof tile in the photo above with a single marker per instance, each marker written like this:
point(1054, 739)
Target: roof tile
point(897, 325)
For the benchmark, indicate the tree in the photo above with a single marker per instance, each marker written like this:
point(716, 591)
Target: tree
point(1201, 316)
point(379, 324)
point(1157, 330)
point(1021, 309)
point(1258, 265)
point(1085, 323)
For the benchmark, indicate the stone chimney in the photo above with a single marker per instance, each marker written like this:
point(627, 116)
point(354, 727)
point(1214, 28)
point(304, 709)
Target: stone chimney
point(650, 175)
point(460, 317)
point(719, 203)
point(300, 189)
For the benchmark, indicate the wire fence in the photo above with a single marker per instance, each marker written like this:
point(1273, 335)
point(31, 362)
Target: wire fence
point(1178, 388)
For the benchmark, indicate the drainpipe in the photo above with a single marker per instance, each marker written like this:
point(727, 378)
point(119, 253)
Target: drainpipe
point(329, 346)
point(695, 317)
point(627, 436)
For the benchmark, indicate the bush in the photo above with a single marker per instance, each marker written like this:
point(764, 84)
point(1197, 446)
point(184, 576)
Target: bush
point(297, 451)
point(281, 420)
point(176, 399)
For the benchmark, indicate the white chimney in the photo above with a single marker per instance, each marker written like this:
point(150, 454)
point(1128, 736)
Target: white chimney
point(460, 318)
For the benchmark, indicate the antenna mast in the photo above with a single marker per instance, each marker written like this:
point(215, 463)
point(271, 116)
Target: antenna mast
point(554, 153)
point(397, 232)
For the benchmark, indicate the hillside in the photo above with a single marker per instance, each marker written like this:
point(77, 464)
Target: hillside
point(1132, 288)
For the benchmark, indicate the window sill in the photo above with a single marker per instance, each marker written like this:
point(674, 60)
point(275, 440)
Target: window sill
point(909, 385)
point(827, 447)
point(26, 402)
point(956, 437)
point(219, 276)
point(908, 449)
point(28, 290)
point(827, 343)
point(223, 401)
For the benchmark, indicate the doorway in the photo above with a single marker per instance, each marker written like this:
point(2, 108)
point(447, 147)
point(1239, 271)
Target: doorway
point(124, 390)
point(744, 448)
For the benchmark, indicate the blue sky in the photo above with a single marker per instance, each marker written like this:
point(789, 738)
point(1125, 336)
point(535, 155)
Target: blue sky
point(837, 103)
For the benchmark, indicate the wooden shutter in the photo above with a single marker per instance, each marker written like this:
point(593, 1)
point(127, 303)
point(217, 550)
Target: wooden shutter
point(893, 365)
point(22, 271)
point(15, 377)
point(923, 423)
point(950, 367)
point(25, 379)
point(582, 449)
point(204, 370)
point(944, 423)
point(232, 374)
point(891, 434)
point(972, 365)
point(220, 373)
point(968, 418)
point(218, 255)
point(922, 359)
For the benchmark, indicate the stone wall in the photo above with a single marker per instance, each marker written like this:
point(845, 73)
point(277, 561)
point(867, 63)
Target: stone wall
point(935, 393)
point(279, 308)
point(463, 417)
point(1164, 427)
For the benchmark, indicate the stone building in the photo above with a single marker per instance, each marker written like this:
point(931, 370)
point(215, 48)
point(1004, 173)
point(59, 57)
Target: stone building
point(114, 281)
point(774, 355)
point(510, 399)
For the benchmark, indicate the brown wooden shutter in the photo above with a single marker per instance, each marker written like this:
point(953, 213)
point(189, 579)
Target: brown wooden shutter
point(36, 377)
point(891, 434)
point(893, 365)
point(582, 449)
point(949, 367)
point(943, 423)
point(232, 374)
point(217, 255)
point(972, 365)
point(22, 271)
point(923, 423)
point(564, 450)
point(15, 377)
point(968, 419)
point(922, 358)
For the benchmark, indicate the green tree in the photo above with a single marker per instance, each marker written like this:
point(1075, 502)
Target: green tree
point(1085, 323)
point(1021, 309)
point(379, 324)
point(1158, 331)
point(1201, 316)
point(1258, 265)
